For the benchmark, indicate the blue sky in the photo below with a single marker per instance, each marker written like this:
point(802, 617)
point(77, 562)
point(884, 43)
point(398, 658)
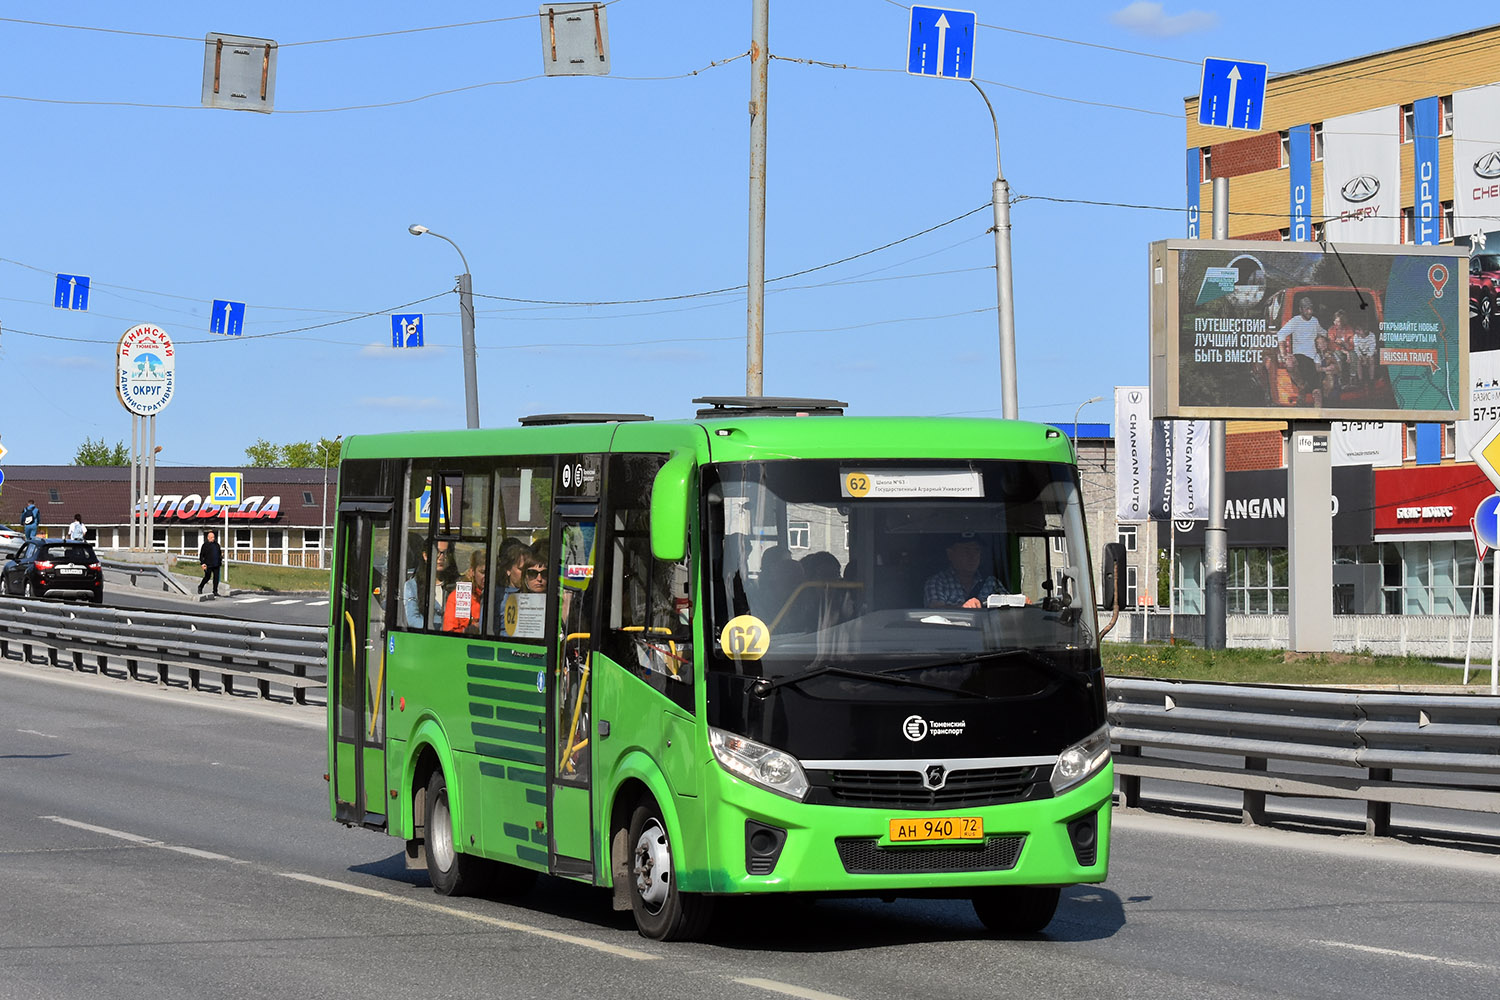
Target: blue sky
point(594, 190)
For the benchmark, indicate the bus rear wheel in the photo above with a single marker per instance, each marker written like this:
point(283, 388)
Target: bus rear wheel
point(1017, 909)
point(662, 913)
point(452, 872)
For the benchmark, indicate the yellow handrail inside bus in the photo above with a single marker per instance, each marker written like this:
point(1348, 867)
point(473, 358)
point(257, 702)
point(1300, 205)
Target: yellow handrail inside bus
point(583, 688)
point(823, 584)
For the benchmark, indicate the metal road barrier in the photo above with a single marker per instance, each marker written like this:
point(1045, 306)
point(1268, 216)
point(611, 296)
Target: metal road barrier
point(1309, 743)
point(167, 648)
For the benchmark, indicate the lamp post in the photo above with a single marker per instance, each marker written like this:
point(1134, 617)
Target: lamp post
point(466, 309)
point(1081, 405)
point(1004, 292)
point(323, 539)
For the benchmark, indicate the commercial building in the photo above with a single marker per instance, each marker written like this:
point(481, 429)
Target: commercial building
point(1400, 146)
point(281, 518)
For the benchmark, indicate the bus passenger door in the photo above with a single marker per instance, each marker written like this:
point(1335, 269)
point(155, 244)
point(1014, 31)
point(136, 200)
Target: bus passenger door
point(570, 662)
point(359, 637)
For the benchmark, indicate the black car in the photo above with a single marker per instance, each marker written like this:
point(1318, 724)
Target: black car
point(43, 568)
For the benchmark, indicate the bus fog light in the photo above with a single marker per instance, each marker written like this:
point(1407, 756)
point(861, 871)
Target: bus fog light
point(767, 767)
point(1081, 761)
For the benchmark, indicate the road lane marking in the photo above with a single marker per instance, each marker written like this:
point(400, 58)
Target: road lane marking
point(452, 911)
point(250, 600)
point(1457, 963)
point(135, 838)
point(290, 600)
point(317, 604)
point(33, 732)
point(788, 989)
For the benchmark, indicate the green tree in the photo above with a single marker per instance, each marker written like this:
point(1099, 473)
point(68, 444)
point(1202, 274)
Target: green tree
point(100, 452)
point(263, 454)
point(294, 454)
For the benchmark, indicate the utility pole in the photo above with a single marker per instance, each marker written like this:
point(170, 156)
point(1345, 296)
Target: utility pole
point(1215, 534)
point(1004, 288)
point(755, 311)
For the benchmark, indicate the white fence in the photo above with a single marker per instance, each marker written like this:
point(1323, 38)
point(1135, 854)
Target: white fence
point(1436, 636)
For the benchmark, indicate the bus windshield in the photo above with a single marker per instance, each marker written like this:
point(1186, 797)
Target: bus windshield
point(882, 568)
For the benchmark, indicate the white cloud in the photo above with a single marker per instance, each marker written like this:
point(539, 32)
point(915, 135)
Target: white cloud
point(383, 350)
point(404, 403)
point(80, 361)
point(1145, 18)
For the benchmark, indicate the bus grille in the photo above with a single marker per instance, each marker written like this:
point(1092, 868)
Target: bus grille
point(865, 856)
point(904, 789)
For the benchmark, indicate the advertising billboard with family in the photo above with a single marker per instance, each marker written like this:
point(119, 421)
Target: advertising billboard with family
point(1308, 331)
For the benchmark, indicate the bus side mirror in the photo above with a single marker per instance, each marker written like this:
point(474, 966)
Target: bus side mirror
point(1114, 576)
point(669, 508)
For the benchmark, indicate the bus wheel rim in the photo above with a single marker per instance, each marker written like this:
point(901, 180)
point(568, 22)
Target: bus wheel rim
point(653, 865)
point(440, 836)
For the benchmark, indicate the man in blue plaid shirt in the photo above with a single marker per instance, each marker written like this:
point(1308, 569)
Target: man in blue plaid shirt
point(960, 585)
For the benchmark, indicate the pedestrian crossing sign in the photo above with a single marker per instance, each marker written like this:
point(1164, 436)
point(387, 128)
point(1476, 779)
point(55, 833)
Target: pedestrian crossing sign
point(224, 488)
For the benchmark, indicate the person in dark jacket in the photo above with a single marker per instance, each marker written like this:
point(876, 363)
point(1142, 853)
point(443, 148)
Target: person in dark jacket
point(210, 557)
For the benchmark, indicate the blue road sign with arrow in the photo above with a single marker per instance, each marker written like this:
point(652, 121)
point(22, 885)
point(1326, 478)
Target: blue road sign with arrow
point(941, 43)
point(1487, 521)
point(1233, 94)
point(406, 329)
point(227, 318)
point(71, 292)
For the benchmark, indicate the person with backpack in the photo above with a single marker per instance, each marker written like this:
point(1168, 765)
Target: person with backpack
point(78, 531)
point(31, 519)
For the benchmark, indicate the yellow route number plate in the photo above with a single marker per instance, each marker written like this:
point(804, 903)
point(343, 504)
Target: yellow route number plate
point(946, 828)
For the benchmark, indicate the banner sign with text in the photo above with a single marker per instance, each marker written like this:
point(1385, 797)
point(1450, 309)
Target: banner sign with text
point(1293, 331)
point(1476, 159)
point(1362, 177)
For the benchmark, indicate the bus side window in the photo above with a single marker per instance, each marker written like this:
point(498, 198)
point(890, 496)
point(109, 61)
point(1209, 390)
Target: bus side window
point(650, 601)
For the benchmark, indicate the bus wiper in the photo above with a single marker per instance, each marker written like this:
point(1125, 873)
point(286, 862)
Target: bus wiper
point(1035, 657)
point(764, 687)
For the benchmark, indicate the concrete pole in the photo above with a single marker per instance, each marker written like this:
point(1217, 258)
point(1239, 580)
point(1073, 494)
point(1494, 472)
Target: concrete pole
point(471, 372)
point(135, 470)
point(1004, 286)
point(755, 309)
point(1216, 535)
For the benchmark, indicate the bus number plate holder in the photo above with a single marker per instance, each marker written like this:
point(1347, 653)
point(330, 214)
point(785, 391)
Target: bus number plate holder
point(910, 830)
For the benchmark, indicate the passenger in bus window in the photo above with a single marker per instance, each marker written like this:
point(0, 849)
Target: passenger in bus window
point(411, 604)
point(465, 605)
point(444, 575)
point(510, 564)
point(961, 585)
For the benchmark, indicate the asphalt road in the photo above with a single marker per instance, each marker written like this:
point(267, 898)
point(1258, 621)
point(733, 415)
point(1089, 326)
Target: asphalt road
point(166, 844)
point(285, 609)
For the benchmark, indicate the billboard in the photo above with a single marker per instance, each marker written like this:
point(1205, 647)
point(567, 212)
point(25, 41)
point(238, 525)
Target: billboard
point(1255, 508)
point(1289, 331)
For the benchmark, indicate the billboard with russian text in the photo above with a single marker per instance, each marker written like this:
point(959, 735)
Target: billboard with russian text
point(1308, 331)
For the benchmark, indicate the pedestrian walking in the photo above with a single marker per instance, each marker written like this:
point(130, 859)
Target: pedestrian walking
point(210, 557)
point(78, 531)
point(31, 519)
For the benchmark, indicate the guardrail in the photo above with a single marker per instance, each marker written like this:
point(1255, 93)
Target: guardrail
point(167, 648)
point(1365, 737)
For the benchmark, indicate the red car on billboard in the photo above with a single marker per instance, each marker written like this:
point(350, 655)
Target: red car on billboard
point(1484, 298)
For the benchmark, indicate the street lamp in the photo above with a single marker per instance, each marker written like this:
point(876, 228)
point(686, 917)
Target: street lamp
point(323, 540)
point(466, 309)
point(1004, 292)
point(1081, 405)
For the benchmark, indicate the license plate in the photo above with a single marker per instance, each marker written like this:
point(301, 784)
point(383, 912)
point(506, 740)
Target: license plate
point(945, 828)
point(70, 569)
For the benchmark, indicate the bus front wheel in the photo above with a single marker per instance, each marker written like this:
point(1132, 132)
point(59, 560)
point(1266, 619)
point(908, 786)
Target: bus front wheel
point(1017, 909)
point(452, 872)
point(662, 913)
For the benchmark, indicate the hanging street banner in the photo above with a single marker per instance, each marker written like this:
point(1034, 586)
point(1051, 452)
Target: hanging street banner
point(1299, 180)
point(1132, 453)
point(145, 369)
point(1362, 177)
point(1376, 443)
point(1288, 331)
point(1161, 466)
point(1476, 159)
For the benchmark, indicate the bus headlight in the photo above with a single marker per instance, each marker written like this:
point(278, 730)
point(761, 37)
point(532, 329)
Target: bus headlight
point(1081, 761)
point(771, 769)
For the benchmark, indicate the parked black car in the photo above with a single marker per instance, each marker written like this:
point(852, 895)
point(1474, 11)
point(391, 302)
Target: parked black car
point(46, 568)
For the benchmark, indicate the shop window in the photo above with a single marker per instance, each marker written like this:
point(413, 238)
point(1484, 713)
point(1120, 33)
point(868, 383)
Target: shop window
point(242, 538)
point(312, 538)
point(276, 538)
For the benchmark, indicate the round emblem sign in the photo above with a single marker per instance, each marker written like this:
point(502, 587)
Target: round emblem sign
point(145, 369)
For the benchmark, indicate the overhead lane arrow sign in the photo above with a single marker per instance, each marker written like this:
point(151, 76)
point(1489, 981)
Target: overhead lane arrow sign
point(940, 43)
point(1233, 94)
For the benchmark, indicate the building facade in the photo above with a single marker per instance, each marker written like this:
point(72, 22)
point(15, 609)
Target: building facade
point(1400, 146)
point(281, 518)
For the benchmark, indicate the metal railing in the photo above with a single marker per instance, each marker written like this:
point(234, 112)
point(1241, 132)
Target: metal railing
point(1309, 743)
point(167, 648)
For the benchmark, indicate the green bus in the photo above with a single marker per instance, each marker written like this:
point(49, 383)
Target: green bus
point(771, 649)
